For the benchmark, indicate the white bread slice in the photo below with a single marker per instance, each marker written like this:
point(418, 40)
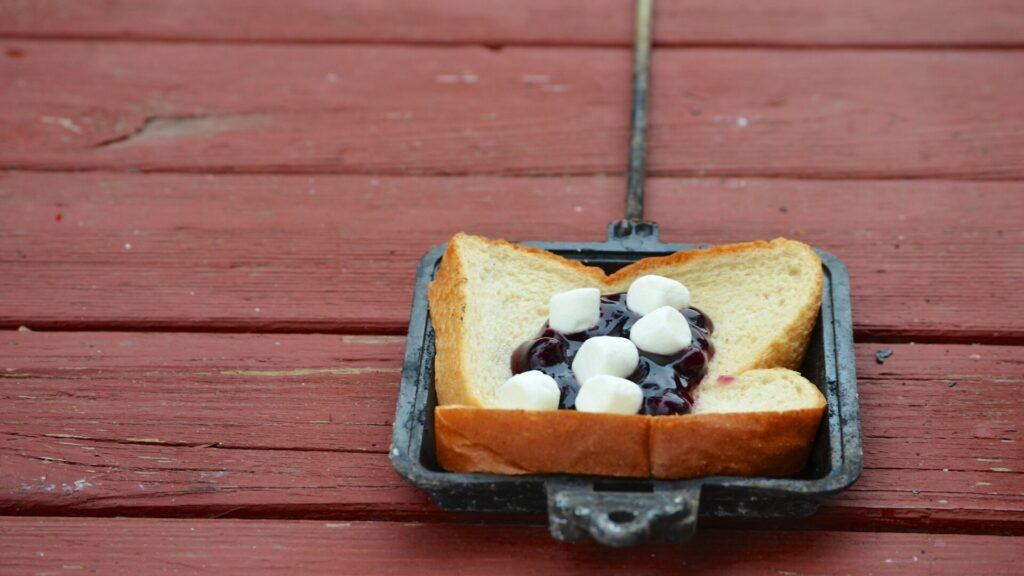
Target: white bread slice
point(489, 296)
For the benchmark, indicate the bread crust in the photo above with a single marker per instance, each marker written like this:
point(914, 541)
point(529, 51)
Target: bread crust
point(737, 444)
point(472, 438)
point(666, 447)
point(446, 308)
point(522, 442)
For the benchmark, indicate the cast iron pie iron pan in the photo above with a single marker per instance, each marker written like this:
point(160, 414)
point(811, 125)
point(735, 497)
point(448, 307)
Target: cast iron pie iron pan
point(617, 511)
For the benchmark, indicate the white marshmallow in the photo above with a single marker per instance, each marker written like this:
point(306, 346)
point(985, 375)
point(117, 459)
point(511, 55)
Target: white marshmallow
point(651, 292)
point(609, 355)
point(664, 331)
point(575, 310)
point(609, 395)
point(533, 390)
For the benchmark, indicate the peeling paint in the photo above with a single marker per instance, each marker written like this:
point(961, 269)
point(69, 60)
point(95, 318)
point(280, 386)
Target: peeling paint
point(65, 123)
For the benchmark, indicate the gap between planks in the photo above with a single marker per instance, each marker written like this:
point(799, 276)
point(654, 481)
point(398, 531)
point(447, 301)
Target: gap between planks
point(314, 171)
point(499, 46)
point(865, 336)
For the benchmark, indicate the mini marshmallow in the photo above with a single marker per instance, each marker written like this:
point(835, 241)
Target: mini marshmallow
point(609, 395)
point(608, 355)
point(575, 310)
point(664, 331)
point(533, 390)
point(650, 292)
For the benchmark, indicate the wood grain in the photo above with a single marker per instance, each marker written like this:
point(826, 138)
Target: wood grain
point(934, 261)
point(297, 426)
point(133, 546)
point(519, 111)
point(282, 392)
point(503, 22)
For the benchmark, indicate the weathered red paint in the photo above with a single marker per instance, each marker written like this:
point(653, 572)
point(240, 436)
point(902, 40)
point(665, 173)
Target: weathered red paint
point(874, 154)
point(519, 111)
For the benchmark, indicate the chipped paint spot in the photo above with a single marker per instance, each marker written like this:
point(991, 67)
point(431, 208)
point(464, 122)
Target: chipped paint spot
point(337, 525)
point(464, 78)
point(1001, 470)
point(65, 123)
point(145, 440)
point(69, 489)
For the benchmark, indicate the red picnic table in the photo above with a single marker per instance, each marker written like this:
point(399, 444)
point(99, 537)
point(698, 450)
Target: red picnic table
point(211, 216)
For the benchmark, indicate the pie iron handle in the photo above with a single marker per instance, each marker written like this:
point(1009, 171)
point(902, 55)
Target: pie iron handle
point(621, 519)
point(633, 235)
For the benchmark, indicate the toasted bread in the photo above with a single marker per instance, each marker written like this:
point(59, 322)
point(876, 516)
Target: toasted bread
point(753, 415)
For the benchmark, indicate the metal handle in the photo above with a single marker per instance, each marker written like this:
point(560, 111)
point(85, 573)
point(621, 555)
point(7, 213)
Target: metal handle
point(631, 235)
point(638, 124)
point(621, 519)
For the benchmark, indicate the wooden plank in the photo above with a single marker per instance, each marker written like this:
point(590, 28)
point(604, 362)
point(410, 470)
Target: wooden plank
point(133, 546)
point(932, 261)
point(296, 426)
point(201, 391)
point(502, 22)
point(519, 111)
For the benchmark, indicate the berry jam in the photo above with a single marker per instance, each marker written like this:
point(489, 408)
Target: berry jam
point(667, 382)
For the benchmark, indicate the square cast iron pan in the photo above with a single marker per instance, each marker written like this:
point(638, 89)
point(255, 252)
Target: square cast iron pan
point(623, 512)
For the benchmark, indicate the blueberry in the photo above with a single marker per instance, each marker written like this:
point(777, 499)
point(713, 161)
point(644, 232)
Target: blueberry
point(692, 364)
point(666, 404)
point(697, 318)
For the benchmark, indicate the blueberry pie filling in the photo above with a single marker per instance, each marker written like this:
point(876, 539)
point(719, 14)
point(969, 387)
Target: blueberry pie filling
point(667, 381)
